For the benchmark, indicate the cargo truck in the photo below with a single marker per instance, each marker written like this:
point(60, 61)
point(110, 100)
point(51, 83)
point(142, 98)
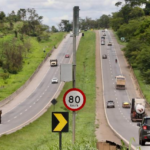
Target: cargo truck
point(53, 62)
point(120, 82)
point(138, 109)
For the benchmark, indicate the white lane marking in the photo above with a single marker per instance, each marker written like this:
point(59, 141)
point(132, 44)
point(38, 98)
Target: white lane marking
point(15, 117)
point(34, 103)
point(43, 93)
point(41, 96)
point(26, 109)
point(20, 113)
point(30, 106)
point(37, 100)
point(8, 121)
point(45, 90)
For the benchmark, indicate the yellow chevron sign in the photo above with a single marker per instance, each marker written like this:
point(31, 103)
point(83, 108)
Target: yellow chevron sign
point(59, 121)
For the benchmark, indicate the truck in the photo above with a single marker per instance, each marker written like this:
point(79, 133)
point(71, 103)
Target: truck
point(138, 109)
point(53, 62)
point(120, 82)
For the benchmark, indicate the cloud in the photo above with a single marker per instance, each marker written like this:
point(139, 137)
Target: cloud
point(53, 11)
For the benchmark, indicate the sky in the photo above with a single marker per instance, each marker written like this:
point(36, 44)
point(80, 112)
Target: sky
point(53, 11)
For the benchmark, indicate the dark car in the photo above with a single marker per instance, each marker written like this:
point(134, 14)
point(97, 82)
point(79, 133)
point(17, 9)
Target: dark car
point(144, 131)
point(110, 104)
point(104, 56)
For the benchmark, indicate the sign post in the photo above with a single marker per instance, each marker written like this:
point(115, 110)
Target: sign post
point(60, 124)
point(74, 100)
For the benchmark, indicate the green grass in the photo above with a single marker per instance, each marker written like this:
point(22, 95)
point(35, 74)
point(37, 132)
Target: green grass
point(144, 87)
point(38, 135)
point(31, 62)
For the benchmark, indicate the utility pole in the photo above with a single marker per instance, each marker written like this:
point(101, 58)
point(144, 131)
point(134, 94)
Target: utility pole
point(75, 33)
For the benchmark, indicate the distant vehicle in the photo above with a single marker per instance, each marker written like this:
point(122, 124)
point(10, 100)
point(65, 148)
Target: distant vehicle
point(102, 38)
point(71, 35)
point(104, 56)
point(120, 82)
point(102, 42)
point(103, 30)
point(109, 44)
point(144, 131)
point(104, 34)
point(85, 29)
point(67, 56)
point(138, 109)
point(110, 104)
point(53, 62)
point(126, 105)
point(54, 80)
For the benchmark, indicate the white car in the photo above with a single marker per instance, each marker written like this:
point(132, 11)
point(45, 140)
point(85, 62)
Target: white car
point(54, 80)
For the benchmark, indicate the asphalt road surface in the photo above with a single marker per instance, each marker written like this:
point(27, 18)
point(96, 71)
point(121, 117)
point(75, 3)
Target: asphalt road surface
point(43, 94)
point(118, 117)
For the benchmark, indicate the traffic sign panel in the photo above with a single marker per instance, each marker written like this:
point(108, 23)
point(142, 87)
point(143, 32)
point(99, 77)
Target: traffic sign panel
point(74, 99)
point(60, 121)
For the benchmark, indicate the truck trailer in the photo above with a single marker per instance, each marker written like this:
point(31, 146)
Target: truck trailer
point(138, 109)
point(120, 82)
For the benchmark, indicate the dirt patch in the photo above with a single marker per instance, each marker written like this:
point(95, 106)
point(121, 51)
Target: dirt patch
point(103, 131)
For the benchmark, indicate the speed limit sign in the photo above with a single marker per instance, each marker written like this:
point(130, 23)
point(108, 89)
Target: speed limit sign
point(74, 99)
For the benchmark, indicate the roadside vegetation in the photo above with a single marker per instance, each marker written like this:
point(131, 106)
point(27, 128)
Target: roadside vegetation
point(24, 43)
point(38, 135)
point(132, 23)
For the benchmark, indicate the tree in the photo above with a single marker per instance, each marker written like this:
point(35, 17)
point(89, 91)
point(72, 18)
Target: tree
point(53, 29)
point(21, 14)
point(104, 21)
point(2, 15)
point(65, 25)
point(118, 4)
point(13, 55)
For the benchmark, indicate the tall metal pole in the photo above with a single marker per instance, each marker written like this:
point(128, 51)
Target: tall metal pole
point(74, 82)
point(75, 32)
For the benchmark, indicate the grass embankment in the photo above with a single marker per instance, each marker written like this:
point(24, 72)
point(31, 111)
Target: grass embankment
point(38, 135)
point(144, 87)
point(31, 62)
point(118, 40)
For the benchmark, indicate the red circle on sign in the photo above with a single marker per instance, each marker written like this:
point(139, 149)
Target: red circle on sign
point(78, 90)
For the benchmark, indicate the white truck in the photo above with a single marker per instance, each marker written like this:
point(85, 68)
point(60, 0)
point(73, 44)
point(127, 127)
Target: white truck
point(138, 109)
point(120, 82)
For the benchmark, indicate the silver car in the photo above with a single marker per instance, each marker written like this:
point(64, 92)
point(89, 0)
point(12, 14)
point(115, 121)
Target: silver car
point(54, 80)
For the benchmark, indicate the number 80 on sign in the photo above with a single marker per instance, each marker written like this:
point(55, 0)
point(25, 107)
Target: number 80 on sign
point(74, 99)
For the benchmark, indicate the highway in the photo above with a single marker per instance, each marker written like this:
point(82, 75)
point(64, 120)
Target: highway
point(118, 117)
point(41, 97)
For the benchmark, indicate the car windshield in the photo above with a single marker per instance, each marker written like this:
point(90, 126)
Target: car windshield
point(110, 103)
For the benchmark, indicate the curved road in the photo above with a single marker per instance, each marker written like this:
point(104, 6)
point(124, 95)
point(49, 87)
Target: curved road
point(41, 97)
point(118, 117)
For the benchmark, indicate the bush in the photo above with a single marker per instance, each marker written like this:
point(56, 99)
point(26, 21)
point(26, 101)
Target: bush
point(4, 75)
